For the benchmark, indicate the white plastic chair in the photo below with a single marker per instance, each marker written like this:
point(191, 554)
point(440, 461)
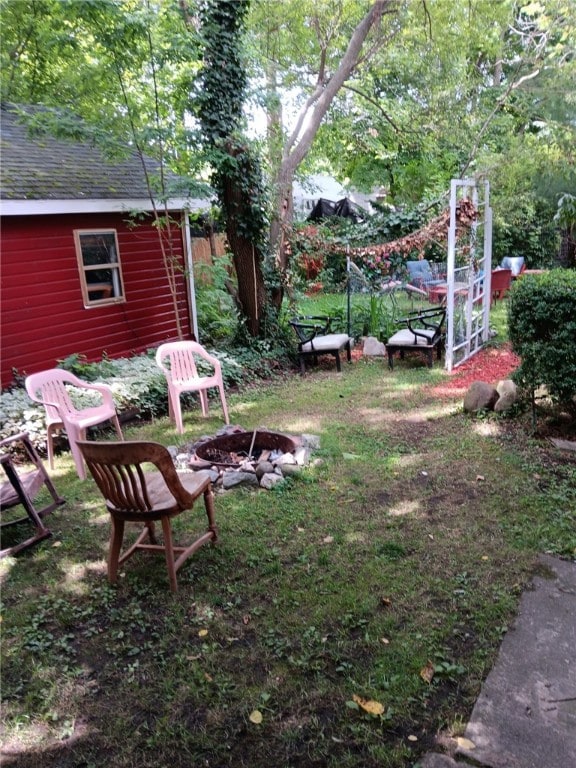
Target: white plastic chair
point(51, 389)
point(178, 360)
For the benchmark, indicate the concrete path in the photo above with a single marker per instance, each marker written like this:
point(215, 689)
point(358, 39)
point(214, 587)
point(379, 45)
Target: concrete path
point(525, 716)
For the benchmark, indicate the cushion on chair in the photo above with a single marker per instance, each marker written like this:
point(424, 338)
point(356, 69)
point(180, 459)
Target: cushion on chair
point(405, 337)
point(326, 343)
point(515, 263)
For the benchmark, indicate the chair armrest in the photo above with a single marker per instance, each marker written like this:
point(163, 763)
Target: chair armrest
point(210, 359)
point(306, 329)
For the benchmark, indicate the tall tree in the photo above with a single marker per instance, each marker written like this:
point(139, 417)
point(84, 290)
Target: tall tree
point(339, 45)
point(237, 176)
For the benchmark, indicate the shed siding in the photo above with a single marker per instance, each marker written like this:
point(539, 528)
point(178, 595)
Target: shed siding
point(42, 314)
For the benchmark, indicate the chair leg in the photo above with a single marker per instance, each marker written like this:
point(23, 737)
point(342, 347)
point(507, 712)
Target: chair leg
point(50, 445)
point(117, 426)
point(224, 405)
point(203, 402)
point(116, 538)
point(74, 435)
point(177, 412)
point(209, 505)
point(169, 551)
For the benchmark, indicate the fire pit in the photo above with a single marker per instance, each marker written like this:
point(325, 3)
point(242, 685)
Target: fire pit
point(259, 457)
point(235, 449)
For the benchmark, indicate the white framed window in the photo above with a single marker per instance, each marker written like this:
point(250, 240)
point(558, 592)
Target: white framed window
point(99, 266)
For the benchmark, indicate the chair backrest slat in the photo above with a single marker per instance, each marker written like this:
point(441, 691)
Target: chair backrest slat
point(183, 365)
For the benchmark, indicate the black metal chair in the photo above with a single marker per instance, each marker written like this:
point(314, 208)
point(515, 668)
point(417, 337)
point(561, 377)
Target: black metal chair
point(423, 332)
point(316, 338)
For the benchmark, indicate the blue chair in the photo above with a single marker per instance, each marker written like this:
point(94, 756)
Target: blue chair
point(421, 276)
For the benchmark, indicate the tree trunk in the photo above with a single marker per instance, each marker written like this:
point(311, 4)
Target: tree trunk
point(247, 258)
point(298, 144)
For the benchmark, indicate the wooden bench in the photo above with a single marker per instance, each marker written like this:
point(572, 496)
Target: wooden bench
point(315, 338)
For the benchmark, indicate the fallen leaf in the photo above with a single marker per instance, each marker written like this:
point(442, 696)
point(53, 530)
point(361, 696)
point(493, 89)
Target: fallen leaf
point(485, 557)
point(369, 705)
point(427, 672)
point(480, 477)
point(384, 640)
point(386, 601)
point(412, 737)
point(57, 544)
point(202, 632)
point(256, 717)
point(465, 743)
point(208, 677)
point(246, 619)
point(328, 539)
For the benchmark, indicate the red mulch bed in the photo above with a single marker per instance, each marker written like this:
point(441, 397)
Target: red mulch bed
point(490, 365)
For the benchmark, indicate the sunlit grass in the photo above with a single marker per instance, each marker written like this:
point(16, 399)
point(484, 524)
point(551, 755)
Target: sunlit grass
point(409, 541)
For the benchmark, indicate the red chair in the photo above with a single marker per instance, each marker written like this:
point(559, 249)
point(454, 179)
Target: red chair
point(500, 283)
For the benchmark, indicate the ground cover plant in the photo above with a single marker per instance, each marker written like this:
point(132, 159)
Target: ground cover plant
point(346, 618)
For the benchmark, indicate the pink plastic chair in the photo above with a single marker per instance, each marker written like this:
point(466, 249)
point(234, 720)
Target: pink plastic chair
point(178, 361)
point(51, 389)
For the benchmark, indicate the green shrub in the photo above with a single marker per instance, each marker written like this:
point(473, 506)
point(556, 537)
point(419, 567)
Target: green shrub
point(542, 328)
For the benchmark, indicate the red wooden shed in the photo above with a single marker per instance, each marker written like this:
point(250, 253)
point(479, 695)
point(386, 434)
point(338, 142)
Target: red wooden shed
point(80, 273)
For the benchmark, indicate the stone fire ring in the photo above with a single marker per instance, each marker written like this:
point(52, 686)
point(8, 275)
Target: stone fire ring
point(241, 442)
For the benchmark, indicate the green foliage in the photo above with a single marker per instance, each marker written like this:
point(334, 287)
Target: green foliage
point(525, 228)
point(566, 214)
point(216, 311)
point(542, 327)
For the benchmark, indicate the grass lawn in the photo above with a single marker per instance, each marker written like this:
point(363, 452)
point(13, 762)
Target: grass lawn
point(387, 573)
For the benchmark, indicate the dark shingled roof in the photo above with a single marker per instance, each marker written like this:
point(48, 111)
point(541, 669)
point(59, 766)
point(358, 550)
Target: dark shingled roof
point(41, 167)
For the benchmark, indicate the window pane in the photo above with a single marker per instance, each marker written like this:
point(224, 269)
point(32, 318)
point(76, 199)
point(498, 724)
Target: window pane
point(98, 249)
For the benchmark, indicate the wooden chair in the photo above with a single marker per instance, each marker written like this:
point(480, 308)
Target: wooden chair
point(180, 360)
point(133, 494)
point(315, 338)
point(51, 388)
point(23, 486)
point(424, 332)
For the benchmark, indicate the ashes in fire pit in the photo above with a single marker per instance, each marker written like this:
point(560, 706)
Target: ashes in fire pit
point(259, 457)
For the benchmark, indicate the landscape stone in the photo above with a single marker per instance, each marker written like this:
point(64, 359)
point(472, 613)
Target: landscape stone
point(233, 479)
point(373, 347)
point(286, 458)
point(263, 467)
point(302, 455)
point(505, 402)
point(505, 386)
point(290, 469)
point(270, 479)
point(480, 397)
point(311, 441)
